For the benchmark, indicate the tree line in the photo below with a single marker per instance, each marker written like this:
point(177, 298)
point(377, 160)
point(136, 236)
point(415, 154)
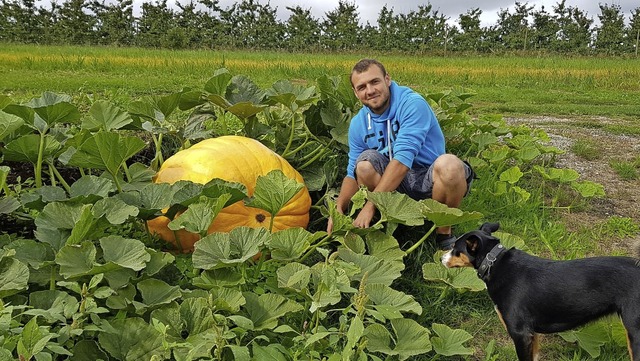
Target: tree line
point(249, 24)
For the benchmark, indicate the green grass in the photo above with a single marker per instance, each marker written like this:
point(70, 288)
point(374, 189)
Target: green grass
point(586, 149)
point(575, 86)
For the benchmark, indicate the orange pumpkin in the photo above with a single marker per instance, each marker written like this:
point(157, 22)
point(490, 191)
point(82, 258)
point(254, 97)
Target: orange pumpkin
point(234, 159)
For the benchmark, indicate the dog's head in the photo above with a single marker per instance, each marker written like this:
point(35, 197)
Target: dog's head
point(472, 247)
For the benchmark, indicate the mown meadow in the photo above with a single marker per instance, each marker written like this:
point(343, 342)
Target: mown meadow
point(367, 294)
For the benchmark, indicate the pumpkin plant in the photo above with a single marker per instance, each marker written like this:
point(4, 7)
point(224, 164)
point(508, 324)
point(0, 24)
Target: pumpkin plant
point(233, 159)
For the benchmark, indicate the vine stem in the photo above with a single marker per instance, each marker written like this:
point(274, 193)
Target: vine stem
point(421, 240)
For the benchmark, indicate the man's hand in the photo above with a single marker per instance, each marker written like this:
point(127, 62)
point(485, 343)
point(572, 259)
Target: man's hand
point(363, 220)
point(330, 222)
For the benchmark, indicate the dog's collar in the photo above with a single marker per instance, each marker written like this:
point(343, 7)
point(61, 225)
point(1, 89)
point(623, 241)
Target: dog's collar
point(489, 260)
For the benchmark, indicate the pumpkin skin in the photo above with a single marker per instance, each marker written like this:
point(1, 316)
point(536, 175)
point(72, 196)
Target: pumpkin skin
point(233, 159)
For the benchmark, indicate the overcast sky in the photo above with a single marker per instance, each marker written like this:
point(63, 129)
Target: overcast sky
point(370, 9)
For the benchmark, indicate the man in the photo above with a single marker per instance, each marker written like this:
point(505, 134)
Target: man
point(395, 143)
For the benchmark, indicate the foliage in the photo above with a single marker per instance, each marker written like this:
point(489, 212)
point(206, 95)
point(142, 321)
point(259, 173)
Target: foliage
point(89, 281)
point(248, 24)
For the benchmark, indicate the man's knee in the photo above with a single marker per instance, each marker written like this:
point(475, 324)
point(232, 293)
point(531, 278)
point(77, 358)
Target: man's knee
point(366, 174)
point(448, 167)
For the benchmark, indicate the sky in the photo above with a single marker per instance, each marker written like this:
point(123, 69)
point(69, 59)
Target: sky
point(370, 9)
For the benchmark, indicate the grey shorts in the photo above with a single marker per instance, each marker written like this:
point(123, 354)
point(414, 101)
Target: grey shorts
point(418, 183)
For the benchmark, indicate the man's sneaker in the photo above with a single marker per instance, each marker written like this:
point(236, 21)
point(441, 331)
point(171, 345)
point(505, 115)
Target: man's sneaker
point(445, 241)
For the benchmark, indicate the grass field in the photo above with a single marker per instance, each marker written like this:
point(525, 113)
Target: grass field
point(542, 85)
point(578, 87)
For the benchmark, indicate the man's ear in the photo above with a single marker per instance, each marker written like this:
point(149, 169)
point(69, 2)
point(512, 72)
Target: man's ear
point(387, 79)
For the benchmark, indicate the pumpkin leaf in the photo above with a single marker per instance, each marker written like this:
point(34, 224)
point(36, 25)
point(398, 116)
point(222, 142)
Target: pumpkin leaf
point(384, 296)
point(449, 342)
point(219, 249)
point(219, 82)
point(106, 150)
point(410, 339)
point(378, 270)
point(264, 310)
point(442, 215)
point(273, 191)
point(459, 278)
point(398, 208)
point(289, 244)
point(294, 276)
point(14, 274)
point(132, 339)
point(25, 148)
point(106, 116)
point(199, 216)
point(9, 123)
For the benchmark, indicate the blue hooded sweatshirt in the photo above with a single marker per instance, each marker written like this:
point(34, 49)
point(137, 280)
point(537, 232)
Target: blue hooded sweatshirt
point(409, 125)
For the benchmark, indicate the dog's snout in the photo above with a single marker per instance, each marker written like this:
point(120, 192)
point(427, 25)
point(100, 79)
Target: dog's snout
point(445, 258)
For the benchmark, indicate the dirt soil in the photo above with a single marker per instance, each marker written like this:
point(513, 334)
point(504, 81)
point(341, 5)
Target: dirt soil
point(622, 196)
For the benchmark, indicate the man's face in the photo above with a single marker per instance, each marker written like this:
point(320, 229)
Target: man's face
point(372, 88)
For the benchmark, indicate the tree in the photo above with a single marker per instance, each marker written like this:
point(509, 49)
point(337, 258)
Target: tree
point(20, 21)
point(302, 30)
point(115, 22)
point(574, 29)
point(633, 32)
point(610, 34)
point(341, 27)
point(75, 24)
point(471, 36)
point(154, 24)
point(513, 29)
point(545, 28)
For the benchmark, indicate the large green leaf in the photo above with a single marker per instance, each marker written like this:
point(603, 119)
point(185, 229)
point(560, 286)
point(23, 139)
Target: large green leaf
point(91, 188)
point(14, 274)
point(199, 216)
point(397, 208)
point(591, 338)
point(294, 275)
point(54, 108)
point(133, 339)
point(125, 252)
point(289, 244)
point(442, 215)
point(383, 296)
point(273, 191)
point(449, 342)
point(410, 339)
point(106, 150)
point(9, 123)
point(219, 82)
point(106, 116)
point(156, 292)
point(378, 270)
point(265, 310)
point(463, 278)
point(76, 260)
point(219, 249)
point(25, 148)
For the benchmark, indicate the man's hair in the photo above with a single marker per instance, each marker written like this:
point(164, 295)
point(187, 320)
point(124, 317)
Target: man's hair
point(364, 64)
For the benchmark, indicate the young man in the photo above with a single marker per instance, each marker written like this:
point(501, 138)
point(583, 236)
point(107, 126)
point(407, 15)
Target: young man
point(395, 143)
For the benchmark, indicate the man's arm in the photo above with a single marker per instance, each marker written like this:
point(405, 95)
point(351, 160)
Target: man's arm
point(391, 179)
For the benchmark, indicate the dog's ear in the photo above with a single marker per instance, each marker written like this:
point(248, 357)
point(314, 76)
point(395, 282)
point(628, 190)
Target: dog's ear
point(472, 245)
point(489, 227)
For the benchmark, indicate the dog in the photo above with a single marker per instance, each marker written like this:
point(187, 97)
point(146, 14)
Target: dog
point(533, 295)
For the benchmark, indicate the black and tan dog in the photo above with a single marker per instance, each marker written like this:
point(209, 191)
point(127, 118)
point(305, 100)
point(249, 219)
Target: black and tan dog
point(537, 296)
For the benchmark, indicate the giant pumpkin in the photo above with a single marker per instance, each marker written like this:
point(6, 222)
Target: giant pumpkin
point(234, 159)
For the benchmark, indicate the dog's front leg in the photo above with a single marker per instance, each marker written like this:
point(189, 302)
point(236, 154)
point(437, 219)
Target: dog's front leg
point(527, 345)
